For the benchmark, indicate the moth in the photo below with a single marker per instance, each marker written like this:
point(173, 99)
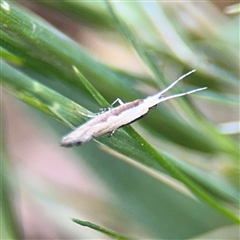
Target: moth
point(117, 117)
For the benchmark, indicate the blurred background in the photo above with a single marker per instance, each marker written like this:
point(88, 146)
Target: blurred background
point(44, 185)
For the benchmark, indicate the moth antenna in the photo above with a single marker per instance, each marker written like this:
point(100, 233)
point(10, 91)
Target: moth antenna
point(181, 94)
point(175, 82)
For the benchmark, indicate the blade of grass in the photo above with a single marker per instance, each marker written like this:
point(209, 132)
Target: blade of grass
point(137, 45)
point(41, 97)
point(10, 227)
point(108, 232)
point(102, 101)
point(98, 97)
point(147, 147)
point(82, 12)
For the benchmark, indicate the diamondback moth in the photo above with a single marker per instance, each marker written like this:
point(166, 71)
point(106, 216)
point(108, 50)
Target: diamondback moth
point(117, 117)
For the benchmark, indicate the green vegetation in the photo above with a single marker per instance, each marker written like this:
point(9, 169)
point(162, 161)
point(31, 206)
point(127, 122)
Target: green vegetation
point(167, 186)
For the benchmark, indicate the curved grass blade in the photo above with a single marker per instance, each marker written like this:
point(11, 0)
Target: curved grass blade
point(108, 232)
point(144, 144)
point(98, 97)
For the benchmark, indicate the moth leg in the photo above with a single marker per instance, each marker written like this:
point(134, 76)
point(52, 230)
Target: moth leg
point(111, 134)
point(119, 101)
point(109, 108)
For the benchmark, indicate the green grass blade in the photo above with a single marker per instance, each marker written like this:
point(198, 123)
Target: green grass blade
point(41, 97)
point(98, 97)
point(137, 45)
point(82, 12)
point(108, 232)
point(171, 169)
point(10, 227)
